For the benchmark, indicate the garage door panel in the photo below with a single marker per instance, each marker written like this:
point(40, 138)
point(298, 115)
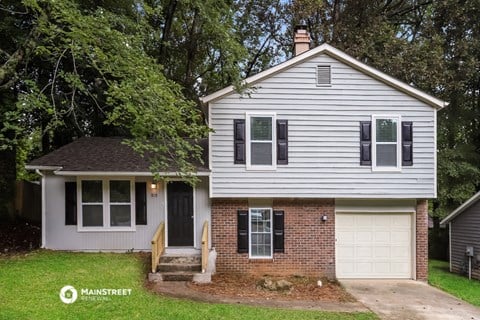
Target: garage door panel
point(373, 245)
point(346, 251)
point(348, 236)
point(381, 252)
point(363, 236)
point(382, 236)
point(401, 236)
point(364, 252)
point(382, 221)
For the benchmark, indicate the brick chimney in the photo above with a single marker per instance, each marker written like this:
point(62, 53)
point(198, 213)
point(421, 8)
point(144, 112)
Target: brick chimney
point(301, 40)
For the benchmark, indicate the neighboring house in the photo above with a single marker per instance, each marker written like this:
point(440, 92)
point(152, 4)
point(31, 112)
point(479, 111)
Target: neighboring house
point(324, 168)
point(464, 235)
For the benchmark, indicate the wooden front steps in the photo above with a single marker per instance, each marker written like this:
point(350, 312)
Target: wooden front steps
point(178, 267)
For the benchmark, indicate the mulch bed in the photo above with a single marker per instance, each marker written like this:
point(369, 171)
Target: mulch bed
point(19, 237)
point(246, 286)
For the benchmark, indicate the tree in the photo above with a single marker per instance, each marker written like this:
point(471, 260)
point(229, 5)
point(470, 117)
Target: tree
point(88, 74)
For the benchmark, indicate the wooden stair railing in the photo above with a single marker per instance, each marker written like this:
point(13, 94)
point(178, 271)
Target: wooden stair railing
point(158, 246)
point(204, 246)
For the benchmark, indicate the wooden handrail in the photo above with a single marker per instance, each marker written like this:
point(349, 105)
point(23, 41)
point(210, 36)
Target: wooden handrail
point(204, 246)
point(158, 245)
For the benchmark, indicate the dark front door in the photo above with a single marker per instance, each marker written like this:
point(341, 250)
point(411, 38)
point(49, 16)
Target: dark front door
point(180, 214)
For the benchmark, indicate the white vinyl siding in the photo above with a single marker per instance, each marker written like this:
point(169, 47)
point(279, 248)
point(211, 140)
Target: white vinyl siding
point(66, 237)
point(323, 137)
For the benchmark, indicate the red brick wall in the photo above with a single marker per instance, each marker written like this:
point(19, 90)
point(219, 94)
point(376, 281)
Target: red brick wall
point(309, 242)
point(422, 240)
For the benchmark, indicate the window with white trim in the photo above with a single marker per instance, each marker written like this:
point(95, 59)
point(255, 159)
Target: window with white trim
point(261, 151)
point(106, 204)
point(261, 241)
point(386, 142)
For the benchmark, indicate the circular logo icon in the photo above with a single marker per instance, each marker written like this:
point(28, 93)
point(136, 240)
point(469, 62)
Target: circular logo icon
point(68, 294)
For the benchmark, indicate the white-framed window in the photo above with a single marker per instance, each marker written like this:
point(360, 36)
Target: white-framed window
point(260, 233)
point(261, 136)
point(386, 143)
point(106, 204)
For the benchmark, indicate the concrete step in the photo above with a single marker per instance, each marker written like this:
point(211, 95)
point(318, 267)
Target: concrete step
point(174, 267)
point(181, 259)
point(177, 276)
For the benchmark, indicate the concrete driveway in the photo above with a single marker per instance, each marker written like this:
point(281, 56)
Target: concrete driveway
point(408, 299)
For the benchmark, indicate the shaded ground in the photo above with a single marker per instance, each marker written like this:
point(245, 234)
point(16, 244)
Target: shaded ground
point(19, 236)
point(243, 290)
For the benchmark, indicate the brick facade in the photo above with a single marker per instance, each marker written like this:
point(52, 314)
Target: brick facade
point(422, 240)
point(309, 241)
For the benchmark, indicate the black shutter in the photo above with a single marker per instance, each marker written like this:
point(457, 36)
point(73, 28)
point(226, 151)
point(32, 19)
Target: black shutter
point(242, 231)
point(278, 231)
point(407, 143)
point(140, 203)
point(365, 143)
point(239, 141)
point(282, 141)
point(70, 203)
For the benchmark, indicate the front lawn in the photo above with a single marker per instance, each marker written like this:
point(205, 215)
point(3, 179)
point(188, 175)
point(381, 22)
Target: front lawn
point(457, 285)
point(30, 285)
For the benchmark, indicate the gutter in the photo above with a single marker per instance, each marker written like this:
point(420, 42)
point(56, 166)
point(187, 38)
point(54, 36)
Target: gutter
point(44, 235)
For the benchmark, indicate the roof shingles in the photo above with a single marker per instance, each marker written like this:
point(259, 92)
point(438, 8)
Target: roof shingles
point(96, 154)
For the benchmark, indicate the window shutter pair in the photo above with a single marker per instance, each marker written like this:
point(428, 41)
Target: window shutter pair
point(71, 203)
point(239, 139)
point(278, 231)
point(366, 143)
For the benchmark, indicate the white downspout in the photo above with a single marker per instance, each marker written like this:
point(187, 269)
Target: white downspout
point(43, 208)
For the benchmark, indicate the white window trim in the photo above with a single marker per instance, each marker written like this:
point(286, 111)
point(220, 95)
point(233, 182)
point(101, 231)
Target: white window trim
point(248, 141)
point(106, 205)
point(250, 233)
point(398, 167)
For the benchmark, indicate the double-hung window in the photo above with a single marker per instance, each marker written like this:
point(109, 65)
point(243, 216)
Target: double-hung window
point(261, 151)
point(386, 143)
point(260, 221)
point(106, 204)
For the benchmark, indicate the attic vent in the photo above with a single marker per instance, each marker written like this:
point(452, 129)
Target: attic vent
point(323, 76)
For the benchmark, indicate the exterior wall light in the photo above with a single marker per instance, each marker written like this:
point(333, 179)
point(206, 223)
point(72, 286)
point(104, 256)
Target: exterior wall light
point(154, 189)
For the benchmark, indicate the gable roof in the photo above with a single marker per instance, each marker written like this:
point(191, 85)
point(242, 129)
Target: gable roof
point(96, 156)
point(461, 208)
point(342, 57)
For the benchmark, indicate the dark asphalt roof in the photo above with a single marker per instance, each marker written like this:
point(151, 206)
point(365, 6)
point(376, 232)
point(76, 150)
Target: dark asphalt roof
point(102, 154)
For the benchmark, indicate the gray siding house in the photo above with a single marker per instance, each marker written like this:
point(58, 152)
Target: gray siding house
point(464, 234)
point(323, 167)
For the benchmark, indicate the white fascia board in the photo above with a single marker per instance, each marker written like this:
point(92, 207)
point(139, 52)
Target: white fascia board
point(47, 168)
point(461, 208)
point(125, 173)
point(343, 57)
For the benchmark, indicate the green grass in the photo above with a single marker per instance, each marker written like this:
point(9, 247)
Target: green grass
point(457, 285)
point(29, 289)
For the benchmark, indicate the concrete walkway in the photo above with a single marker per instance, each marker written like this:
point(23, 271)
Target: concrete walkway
point(408, 299)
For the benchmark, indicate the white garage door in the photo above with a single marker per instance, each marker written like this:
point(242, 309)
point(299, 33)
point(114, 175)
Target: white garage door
point(373, 245)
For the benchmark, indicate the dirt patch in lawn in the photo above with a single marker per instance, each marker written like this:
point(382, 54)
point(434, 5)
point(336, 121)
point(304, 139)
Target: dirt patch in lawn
point(245, 286)
point(19, 237)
